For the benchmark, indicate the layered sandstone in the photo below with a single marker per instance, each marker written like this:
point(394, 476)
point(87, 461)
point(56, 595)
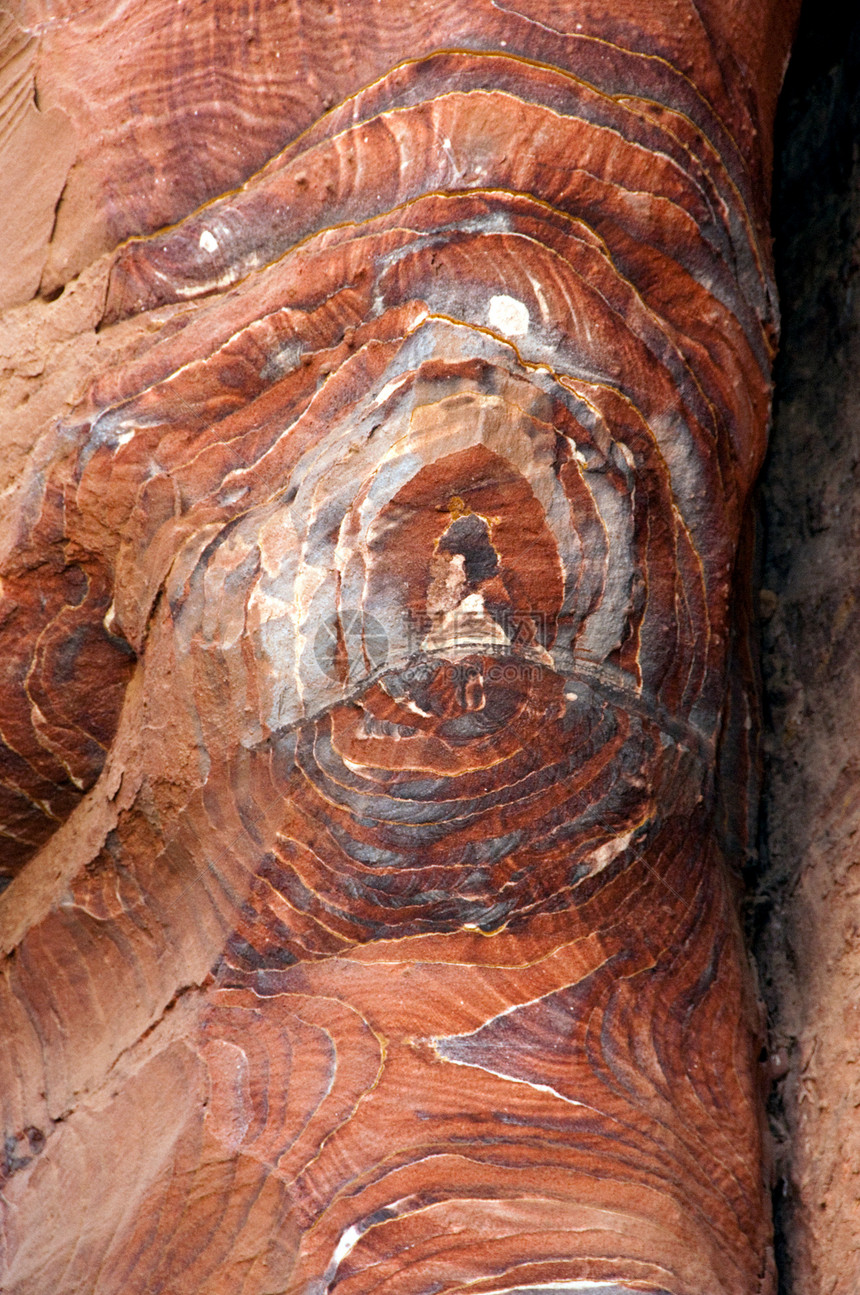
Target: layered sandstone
point(377, 729)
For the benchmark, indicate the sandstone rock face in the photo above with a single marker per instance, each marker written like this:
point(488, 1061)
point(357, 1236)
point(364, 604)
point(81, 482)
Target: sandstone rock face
point(812, 671)
point(377, 726)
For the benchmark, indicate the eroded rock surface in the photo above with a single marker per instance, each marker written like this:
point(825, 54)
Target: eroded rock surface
point(809, 895)
point(370, 653)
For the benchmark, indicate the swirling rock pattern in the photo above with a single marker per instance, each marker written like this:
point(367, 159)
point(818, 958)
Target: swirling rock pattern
point(373, 680)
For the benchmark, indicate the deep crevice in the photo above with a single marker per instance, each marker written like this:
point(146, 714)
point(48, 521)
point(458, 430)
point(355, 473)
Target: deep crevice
point(806, 493)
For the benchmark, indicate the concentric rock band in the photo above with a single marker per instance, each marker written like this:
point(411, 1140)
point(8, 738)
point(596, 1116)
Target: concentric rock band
point(377, 733)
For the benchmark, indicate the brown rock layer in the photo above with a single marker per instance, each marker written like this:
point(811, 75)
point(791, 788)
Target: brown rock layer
point(368, 627)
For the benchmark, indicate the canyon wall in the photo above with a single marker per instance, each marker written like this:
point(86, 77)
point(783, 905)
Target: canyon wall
point(386, 385)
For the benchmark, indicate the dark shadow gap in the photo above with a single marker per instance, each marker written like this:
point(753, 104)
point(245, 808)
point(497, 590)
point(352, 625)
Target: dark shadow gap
point(810, 503)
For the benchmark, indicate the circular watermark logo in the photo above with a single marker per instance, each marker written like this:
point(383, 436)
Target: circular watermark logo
point(348, 638)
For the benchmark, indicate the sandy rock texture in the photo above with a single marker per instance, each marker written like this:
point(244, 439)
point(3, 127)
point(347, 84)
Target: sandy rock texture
point(378, 740)
point(809, 902)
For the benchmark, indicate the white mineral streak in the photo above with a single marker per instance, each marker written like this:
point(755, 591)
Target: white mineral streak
point(441, 1047)
point(350, 1237)
point(389, 389)
point(346, 1243)
point(562, 1288)
point(540, 298)
point(187, 291)
point(508, 315)
point(512, 1079)
point(610, 850)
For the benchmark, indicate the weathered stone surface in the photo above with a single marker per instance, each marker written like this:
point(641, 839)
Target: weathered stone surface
point(809, 901)
point(36, 151)
point(368, 629)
